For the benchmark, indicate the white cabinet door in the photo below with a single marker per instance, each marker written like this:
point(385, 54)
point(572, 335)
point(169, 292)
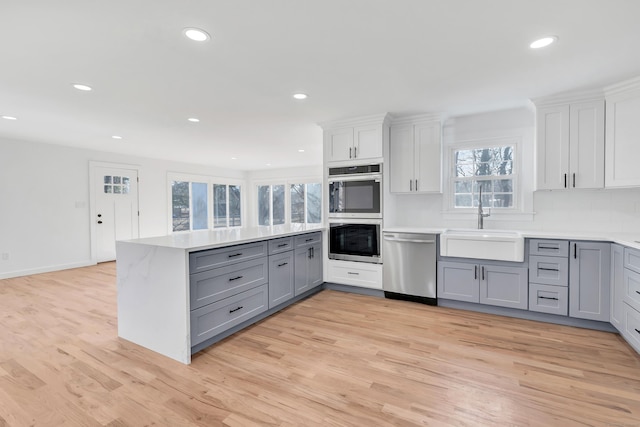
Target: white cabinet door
point(552, 147)
point(339, 144)
point(586, 142)
point(428, 160)
point(367, 142)
point(623, 140)
point(401, 159)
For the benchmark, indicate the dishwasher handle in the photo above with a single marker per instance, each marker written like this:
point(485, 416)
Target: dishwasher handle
point(395, 239)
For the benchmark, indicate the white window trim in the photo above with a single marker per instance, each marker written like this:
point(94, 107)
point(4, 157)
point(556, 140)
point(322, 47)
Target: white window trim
point(209, 180)
point(517, 212)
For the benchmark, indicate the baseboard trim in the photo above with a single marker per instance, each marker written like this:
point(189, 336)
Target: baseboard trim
point(47, 269)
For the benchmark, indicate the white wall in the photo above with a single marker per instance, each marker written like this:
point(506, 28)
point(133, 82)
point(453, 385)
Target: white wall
point(44, 203)
point(573, 210)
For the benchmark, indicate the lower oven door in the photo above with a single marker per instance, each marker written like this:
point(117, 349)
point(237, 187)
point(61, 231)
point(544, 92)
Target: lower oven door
point(355, 241)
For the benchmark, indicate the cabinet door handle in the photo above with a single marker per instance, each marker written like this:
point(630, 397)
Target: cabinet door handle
point(637, 330)
point(565, 180)
point(235, 278)
point(638, 292)
point(349, 152)
point(416, 185)
point(555, 299)
point(236, 309)
point(410, 185)
point(309, 240)
point(483, 272)
point(282, 245)
point(99, 222)
point(475, 272)
point(283, 264)
point(548, 269)
point(548, 247)
point(309, 251)
point(235, 255)
point(575, 251)
point(355, 152)
point(352, 273)
point(574, 180)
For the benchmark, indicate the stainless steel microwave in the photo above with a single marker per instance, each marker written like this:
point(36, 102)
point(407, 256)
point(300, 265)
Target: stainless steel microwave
point(355, 191)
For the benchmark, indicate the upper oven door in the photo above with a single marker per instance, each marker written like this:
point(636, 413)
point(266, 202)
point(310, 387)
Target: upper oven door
point(355, 196)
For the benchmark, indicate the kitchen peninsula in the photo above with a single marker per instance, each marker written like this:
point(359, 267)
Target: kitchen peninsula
point(180, 293)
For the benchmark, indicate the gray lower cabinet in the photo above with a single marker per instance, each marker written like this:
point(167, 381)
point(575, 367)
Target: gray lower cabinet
point(630, 296)
point(549, 299)
point(549, 276)
point(589, 276)
point(484, 283)
point(616, 315)
point(308, 267)
point(215, 318)
point(281, 275)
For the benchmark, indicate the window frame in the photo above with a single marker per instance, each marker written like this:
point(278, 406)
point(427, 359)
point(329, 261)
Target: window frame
point(287, 198)
point(209, 181)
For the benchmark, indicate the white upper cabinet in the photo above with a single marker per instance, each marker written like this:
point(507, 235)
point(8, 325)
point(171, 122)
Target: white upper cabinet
point(355, 140)
point(570, 145)
point(415, 156)
point(623, 135)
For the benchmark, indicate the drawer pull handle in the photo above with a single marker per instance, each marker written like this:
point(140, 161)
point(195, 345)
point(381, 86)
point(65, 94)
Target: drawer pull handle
point(309, 240)
point(548, 247)
point(548, 269)
point(235, 278)
point(555, 299)
point(282, 245)
point(637, 330)
point(638, 292)
point(235, 255)
point(475, 272)
point(236, 309)
point(351, 272)
point(283, 264)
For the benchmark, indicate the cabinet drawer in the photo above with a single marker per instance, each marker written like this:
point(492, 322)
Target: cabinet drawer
point(549, 299)
point(632, 259)
point(631, 294)
point(218, 283)
point(631, 331)
point(212, 319)
point(549, 270)
point(213, 258)
point(308, 239)
point(559, 248)
point(356, 274)
point(283, 244)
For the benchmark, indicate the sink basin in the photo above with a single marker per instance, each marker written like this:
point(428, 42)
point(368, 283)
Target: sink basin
point(501, 245)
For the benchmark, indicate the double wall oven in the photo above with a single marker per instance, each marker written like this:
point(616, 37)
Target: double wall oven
point(355, 213)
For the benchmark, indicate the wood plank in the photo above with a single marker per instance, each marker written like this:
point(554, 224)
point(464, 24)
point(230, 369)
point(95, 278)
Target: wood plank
point(335, 359)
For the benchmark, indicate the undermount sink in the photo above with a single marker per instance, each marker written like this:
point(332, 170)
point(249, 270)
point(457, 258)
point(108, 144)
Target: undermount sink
point(501, 245)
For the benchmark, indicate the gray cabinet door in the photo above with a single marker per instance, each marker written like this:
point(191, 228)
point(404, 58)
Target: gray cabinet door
point(617, 286)
point(589, 276)
point(302, 257)
point(315, 266)
point(504, 286)
point(281, 272)
point(458, 281)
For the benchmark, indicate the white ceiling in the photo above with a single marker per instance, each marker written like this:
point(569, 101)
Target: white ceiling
point(353, 58)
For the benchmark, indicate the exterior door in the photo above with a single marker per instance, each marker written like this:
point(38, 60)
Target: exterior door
point(116, 209)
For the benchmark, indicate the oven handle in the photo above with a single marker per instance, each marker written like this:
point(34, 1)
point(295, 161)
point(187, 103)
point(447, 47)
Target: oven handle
point(393, 239)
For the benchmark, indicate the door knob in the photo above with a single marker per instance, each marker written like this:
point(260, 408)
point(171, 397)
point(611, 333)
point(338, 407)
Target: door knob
point(99, 222)
point(99, 215)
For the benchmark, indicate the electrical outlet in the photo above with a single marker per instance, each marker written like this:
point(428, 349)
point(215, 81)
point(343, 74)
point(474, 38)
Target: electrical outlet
point(5, 256)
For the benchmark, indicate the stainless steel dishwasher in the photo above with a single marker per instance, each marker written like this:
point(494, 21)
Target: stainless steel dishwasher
point(409, 266)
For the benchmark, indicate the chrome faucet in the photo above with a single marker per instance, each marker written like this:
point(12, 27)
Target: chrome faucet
point(481, 214)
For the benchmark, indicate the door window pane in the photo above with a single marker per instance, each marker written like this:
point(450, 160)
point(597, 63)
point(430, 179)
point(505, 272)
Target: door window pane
point(278, 204)
point(264, 205)
point(219, 205)
point(199, 205)
point(180, 205)
point(297, 203)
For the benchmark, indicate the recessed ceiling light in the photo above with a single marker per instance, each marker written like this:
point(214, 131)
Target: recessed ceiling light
point(300, 96)
point(82, 87)
point(116, 137)
point(234, 158)
point(301, 151)
point(9, 117)
point(543, 42)
point(193, 120)
point(267, 164)
point(196, 34)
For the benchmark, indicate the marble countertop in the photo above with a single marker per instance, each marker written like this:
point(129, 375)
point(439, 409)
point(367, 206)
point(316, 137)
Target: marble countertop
point(626, 239)
point(209, 239)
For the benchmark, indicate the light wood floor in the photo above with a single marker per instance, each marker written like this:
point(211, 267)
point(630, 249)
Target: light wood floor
point(335, 359)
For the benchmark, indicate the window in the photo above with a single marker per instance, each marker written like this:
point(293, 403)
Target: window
point(291, 202)
point(193, 209)
point(306, 203)
point(271, 206)
point(116, 184)
point(489, 169)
